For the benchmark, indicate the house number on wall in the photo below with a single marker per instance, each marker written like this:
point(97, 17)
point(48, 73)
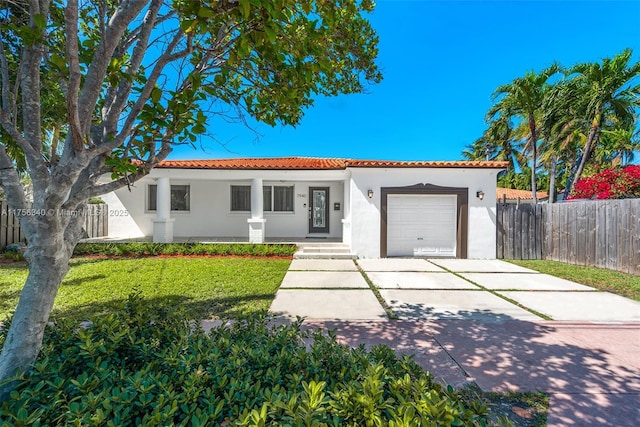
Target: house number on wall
point(301, 196)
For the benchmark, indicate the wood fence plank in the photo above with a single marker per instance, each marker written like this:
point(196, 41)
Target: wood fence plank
point(534, 236)
point(512, 232)
point(546, 229)
point(591, 237)
point(601, 233)
point(539, 232)
point(612, 233)
point(524, 231)
point(15, 228)
point(4, 216)
point(563, 233)
point(517, 233)
point(555, 232)
point(499, 231)
point(634, 232)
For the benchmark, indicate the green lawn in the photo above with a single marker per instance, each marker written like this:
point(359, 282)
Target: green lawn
point(623, 284)
point(204, 287)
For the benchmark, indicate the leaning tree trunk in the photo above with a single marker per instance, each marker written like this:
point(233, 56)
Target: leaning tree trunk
point(552, 178)
point(586, 150)
point(51, 239)
point(534, 158)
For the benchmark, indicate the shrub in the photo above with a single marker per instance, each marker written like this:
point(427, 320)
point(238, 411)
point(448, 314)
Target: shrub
point(96, 201)
point(620, 183)
point(152, 249)
point(139, 366)
point(11, 255)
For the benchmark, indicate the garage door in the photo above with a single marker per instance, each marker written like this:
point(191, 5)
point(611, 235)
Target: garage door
point(421, 225)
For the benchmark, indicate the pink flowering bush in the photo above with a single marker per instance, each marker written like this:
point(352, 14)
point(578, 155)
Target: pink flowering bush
point(616, 183)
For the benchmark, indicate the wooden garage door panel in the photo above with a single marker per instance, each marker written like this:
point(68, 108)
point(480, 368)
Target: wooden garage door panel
point(421, 225)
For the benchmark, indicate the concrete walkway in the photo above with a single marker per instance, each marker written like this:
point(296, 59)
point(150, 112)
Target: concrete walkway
point(483, 321)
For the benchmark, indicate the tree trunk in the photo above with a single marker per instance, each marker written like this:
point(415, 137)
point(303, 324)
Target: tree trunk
point(552, 178)
point(586, 150)
point(50, 245)
point(534, 157)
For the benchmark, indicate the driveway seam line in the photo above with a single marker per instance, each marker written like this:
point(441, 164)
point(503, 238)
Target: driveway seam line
point(509, 300)
point(376, 292)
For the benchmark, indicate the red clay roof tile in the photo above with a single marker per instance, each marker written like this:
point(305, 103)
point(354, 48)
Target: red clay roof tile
point(512, 194)
point(425, 164)
point(295, 163)
point(314, 163)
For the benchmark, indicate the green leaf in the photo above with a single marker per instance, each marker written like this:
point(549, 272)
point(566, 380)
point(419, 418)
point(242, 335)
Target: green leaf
point(245, 8)
point(58, 61)
point(271, 33)
point(40, 21)
point(156, 93)
point(206, 13)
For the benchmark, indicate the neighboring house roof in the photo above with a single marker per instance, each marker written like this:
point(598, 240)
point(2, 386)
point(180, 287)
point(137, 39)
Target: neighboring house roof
point(512, 194)
point(310, 163)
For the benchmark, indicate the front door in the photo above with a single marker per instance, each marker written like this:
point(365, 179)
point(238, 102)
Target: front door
point(319, 210)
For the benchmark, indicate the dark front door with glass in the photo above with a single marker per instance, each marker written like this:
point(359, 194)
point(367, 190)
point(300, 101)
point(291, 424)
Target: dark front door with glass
point(319, 210)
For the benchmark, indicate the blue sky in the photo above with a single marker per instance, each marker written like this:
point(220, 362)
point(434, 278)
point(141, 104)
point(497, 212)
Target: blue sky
point(441, 61)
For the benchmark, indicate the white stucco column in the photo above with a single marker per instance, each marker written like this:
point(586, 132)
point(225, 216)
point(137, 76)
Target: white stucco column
point(163, 223)
point(346, 212)
point(257, 221)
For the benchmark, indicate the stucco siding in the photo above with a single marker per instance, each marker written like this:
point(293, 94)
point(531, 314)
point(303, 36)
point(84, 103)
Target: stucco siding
point(366, 212)
point(210, 212)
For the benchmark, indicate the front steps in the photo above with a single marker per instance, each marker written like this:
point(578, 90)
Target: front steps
point(323, 250)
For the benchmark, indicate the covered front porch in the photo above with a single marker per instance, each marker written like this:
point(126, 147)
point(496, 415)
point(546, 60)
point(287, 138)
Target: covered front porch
point(234, 206)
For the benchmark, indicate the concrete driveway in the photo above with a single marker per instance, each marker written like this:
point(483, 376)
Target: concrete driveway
point(488, 322)
point(487, 290)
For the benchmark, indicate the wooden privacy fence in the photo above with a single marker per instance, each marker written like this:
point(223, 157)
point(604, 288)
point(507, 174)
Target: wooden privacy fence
point(96, 223)
point(10, 231)
point(601, 233)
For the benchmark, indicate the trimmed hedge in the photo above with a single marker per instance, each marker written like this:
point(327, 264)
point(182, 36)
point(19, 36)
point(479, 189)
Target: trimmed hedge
point(145, 367)
point(152, 249)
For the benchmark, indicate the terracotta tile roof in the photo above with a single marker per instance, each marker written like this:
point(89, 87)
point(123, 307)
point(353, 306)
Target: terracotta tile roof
point(512, 194)
point(425, 164)
point(310, 163)
point(294, 163)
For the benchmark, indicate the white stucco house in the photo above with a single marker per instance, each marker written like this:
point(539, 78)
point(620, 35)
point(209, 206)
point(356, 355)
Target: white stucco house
point(377, 208)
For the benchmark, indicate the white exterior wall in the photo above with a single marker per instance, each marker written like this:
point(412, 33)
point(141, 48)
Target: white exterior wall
point(365, 212)
point(210, 212)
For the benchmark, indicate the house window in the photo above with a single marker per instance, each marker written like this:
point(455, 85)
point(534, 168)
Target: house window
point(180, 198)
point(240, 198)
point(275, 198)
point(283, 198)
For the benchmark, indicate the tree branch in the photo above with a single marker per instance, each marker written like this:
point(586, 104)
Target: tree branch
point(7, 99)
point(120, 20)
point(73, 87)
point(145, 93)
point(112, 111)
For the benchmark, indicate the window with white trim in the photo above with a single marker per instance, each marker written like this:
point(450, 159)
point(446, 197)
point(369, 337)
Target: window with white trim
point(283, 198)
point(276, 198)
point(240, 198)
point(180, 198)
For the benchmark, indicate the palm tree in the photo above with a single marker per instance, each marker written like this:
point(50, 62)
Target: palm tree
point(497, 143)
point(562, 135)
point(522, 99)
point(601, 91)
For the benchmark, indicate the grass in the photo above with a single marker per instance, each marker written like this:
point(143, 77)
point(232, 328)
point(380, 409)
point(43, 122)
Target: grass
point(203, 287)
point(626, 285)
